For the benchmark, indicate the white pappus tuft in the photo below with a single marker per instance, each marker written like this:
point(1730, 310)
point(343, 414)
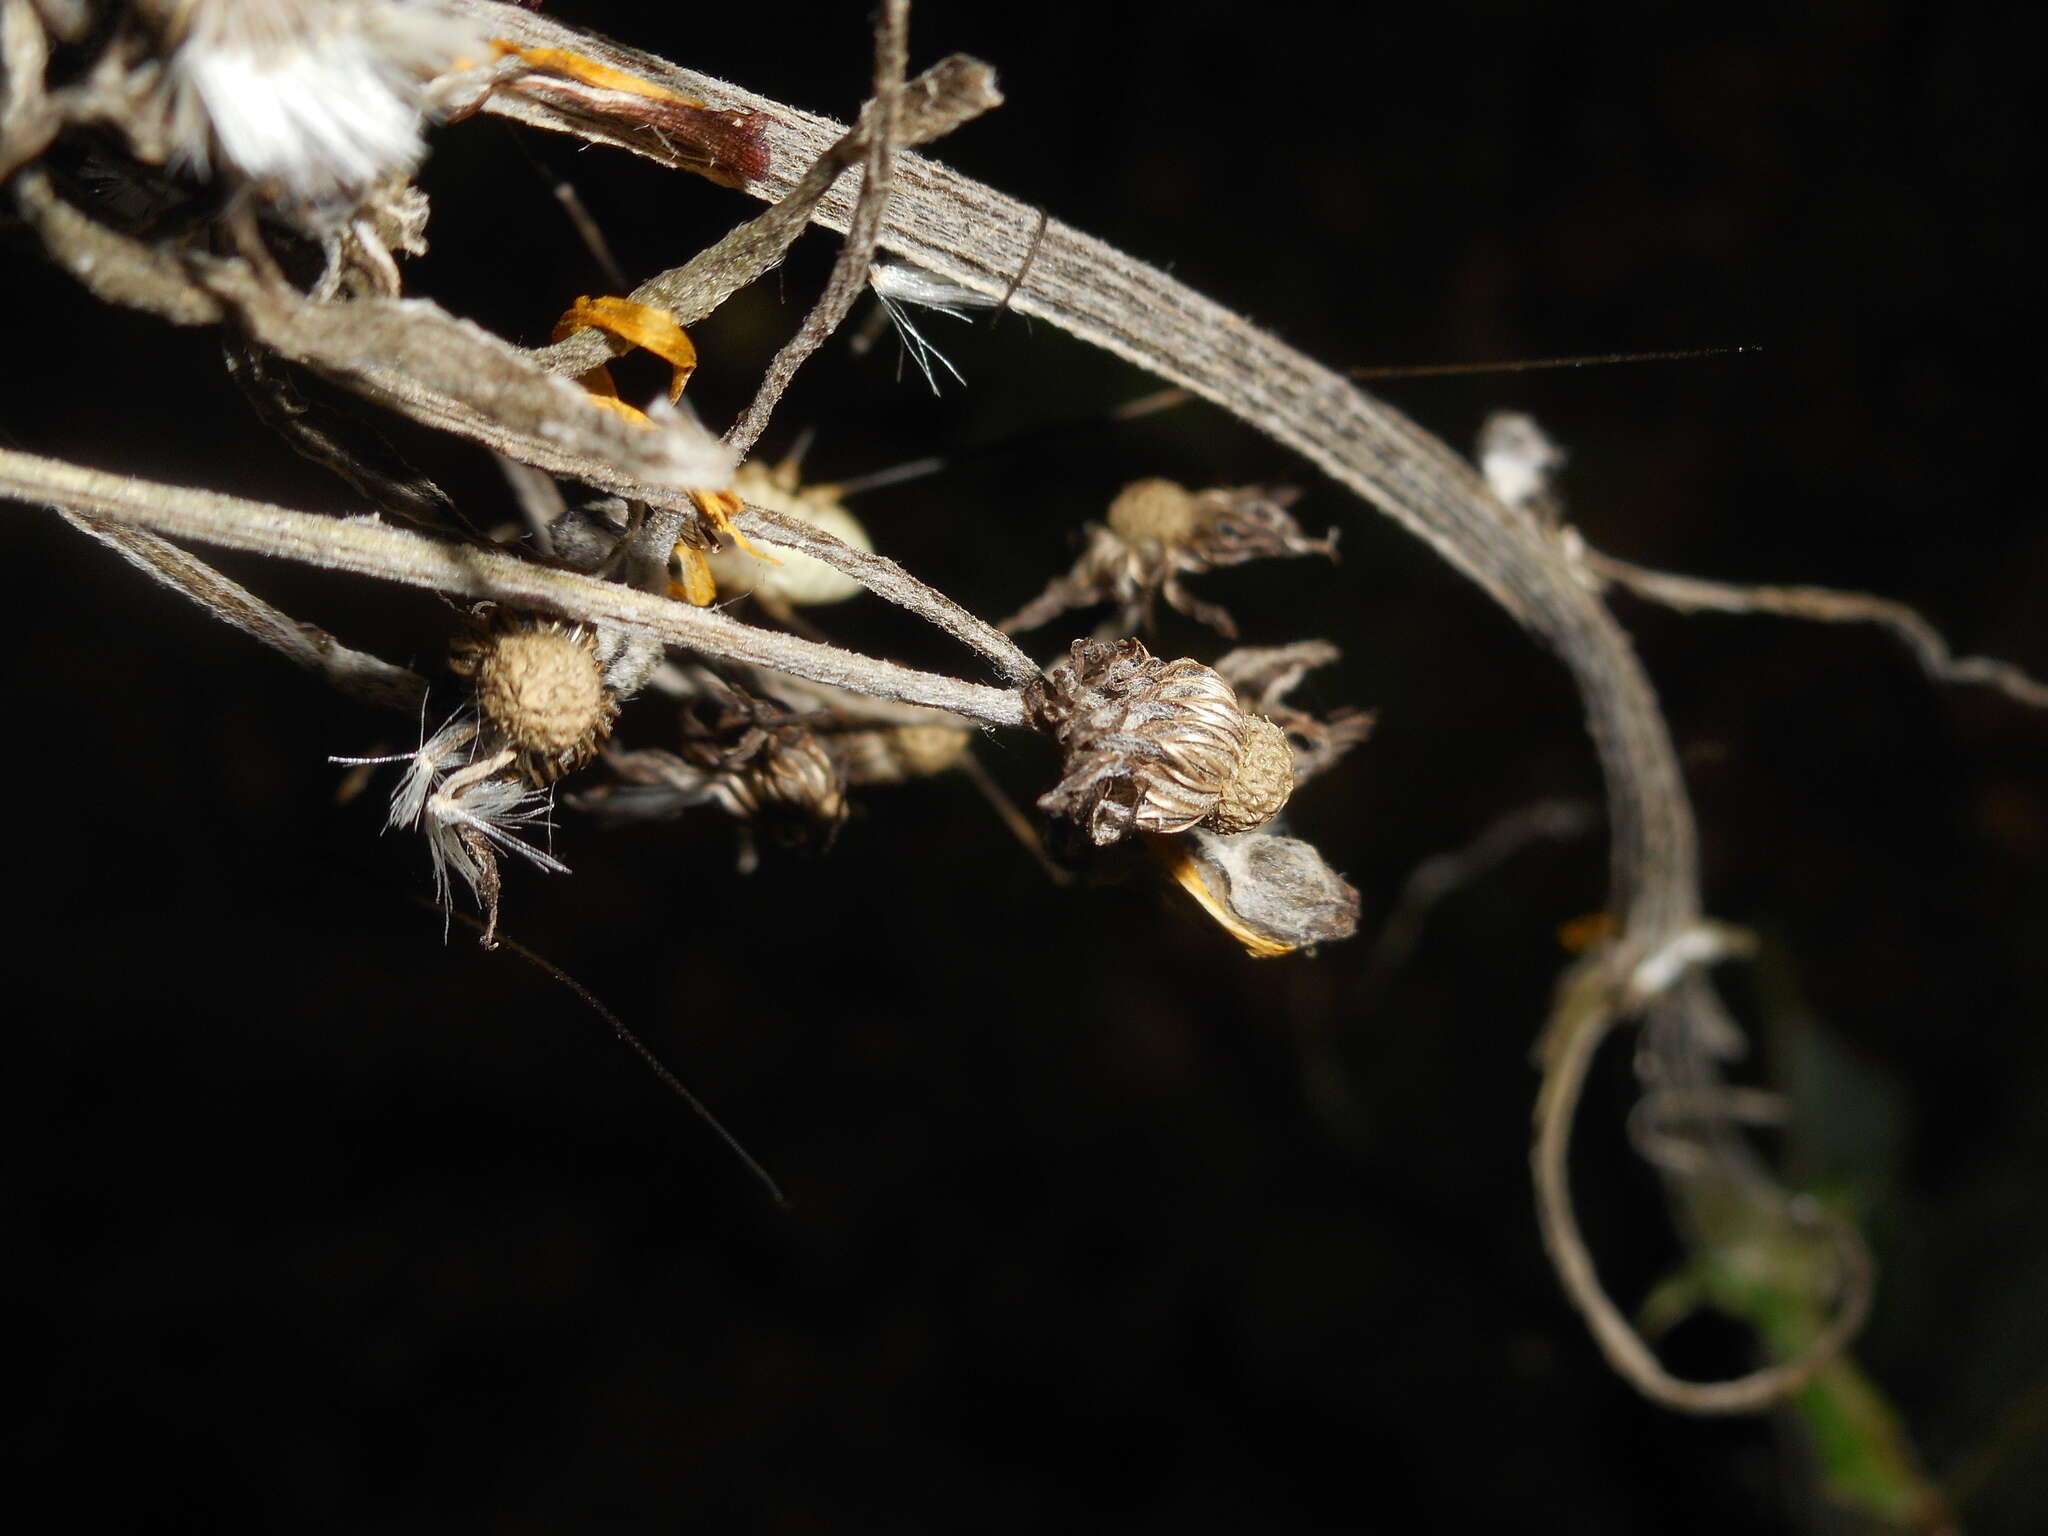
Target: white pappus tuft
point(467, 808)
point(317, 101)
point(899, 284)
point(1517, 458)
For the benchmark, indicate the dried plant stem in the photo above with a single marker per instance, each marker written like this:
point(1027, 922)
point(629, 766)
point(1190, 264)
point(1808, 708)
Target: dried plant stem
point(1826, 605)
point(1582, 1017)
point(801, 694)
point(951, 92)
point(409, 355)
point(969, 234)
point(438, 370)
point(29, 122)
point(965, 233)
point(365, 547)
point(889, 581)
point(849, 279)
point(356, 673)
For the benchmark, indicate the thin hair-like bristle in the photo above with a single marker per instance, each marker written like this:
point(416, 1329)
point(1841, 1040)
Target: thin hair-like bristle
point(640, 1048)
point(899, 284)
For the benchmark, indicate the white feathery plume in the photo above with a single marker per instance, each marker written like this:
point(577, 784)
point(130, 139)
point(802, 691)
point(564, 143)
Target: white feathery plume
point(1517, 458)
point(316, 100)
point(442, 796)
point(900, 284)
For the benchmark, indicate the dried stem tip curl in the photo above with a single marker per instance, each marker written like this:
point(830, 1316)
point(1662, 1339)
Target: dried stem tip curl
point(1155, 746)
point(541, 685)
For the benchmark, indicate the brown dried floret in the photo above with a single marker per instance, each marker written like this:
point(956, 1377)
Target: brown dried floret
point(748, 756)
point(540, 685)
point(786, 780)
point(1158, 532)
point(1154, 746)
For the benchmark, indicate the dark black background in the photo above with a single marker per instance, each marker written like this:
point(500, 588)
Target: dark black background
point(1097, 1224)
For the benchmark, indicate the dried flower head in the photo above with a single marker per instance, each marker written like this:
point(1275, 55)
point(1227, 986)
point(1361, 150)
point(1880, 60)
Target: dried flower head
point(1154, 746)
point(540, 686)
point(748, 756)
point(790, 784)
point(764, 766)
point(1158, 532)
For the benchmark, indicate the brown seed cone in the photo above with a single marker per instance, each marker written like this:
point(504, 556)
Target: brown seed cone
point(1151, 745)
point(540, 684)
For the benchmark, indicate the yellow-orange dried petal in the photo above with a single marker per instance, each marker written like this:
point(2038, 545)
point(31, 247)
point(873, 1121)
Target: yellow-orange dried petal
point(721, 507)
point(697, 588)
point(1580, 934)
point(646, 326)
point(590, 71)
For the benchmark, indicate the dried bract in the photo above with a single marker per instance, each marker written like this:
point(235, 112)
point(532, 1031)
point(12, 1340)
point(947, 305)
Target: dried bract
point(1158, 532)
point(728, 147)
point(1273, 894)
point(1154, 746)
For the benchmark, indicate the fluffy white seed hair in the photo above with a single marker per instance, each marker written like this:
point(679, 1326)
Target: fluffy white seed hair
point(900, 284)
point(1517, 458)
point(317, 100)
point(496, 808)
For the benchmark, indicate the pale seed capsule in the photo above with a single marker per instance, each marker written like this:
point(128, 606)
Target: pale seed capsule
point(1273, 894)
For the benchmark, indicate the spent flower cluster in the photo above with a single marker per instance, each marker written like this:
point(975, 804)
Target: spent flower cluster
point(292, 129)
point(245, 165)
